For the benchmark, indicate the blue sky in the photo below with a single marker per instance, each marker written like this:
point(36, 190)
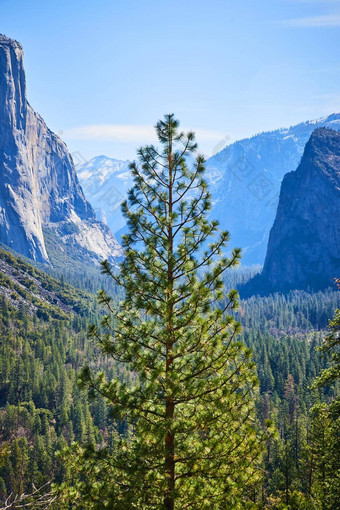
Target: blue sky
point(101, 73)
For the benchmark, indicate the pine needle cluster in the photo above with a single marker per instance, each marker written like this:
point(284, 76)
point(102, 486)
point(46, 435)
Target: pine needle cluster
point(194, 441)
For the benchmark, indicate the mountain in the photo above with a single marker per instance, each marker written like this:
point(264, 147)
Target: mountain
point(44, 342)
point(25, 286)
point(304, 244)
point(105, 182)
point(245, 181)
point(39, 189)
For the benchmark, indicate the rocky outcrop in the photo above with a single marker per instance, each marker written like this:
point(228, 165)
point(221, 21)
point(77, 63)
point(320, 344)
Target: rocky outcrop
point(304, 243)
point(38, 183)
point(245, 179)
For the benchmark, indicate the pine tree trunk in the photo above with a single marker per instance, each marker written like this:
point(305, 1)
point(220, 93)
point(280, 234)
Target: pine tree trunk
point(169, 502)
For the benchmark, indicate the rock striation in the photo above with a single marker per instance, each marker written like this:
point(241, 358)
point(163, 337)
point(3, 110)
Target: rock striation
point(304, 243)
point(39, 187)
point(245, 179)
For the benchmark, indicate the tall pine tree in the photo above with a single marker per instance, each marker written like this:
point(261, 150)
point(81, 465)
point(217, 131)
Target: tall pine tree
point(326, 425)
point(190, 407)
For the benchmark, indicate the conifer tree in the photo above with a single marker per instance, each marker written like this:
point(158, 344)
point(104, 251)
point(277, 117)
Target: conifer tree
point(193, 442)
point(331, 375)
point(326, 425)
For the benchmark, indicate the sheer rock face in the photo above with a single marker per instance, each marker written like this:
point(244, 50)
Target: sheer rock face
point(245, 180)
point(304, 242)
point(38, 182)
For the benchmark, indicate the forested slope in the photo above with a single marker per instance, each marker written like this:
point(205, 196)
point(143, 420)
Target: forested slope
point(44, 343)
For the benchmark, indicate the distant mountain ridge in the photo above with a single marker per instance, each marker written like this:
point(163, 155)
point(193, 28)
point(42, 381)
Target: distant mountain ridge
point(39, 188)
point(244, 179)
point(304, 243)
point(105, 182)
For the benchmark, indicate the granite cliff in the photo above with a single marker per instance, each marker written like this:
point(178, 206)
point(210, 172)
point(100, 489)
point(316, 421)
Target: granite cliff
point(304, 243)
point(39, 188)
point(244, 180)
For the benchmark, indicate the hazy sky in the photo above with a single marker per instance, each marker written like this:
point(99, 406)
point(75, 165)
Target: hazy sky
point(101, 73)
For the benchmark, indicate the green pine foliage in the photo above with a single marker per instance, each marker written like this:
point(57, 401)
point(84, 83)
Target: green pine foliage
point(326, 425)
point(42, 408)
point(114, 452)
point(37, 399)
point(331, 375)
point(194, 441)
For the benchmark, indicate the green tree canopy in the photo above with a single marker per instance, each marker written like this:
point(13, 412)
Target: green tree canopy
point(194, 441)
point(330, 347)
